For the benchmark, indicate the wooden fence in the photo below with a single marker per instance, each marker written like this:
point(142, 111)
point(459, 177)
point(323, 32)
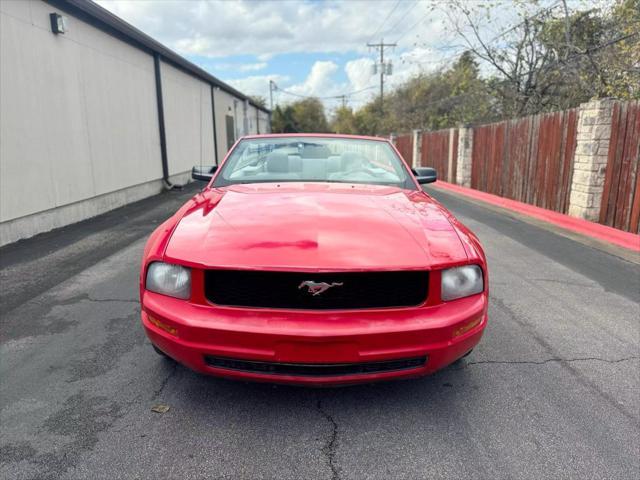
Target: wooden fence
point(404, 144)
point(620, 206)
point(531, 160)
point(528, 159)
point(440, 151)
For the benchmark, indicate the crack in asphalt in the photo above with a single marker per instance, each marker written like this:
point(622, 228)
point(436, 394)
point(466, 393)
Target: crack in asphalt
point(564, 282)
point(580, 377)
point(157, 392)
point(121, 300)
point(86, 297)
point(107, 300)
point(548, 360)
point(329, 449)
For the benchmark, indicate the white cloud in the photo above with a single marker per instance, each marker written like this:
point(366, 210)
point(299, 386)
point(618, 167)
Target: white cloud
point(257, 84)
point(251, 67)
point(360, 72)
point(241, 67)
point(267, 28)
point(319, 81)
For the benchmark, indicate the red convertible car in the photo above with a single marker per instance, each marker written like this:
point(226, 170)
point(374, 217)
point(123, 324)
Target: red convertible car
point(317, 260)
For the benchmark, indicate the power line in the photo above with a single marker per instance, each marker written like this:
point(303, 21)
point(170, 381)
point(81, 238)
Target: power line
point(412, 27)
point(361, 90)
point(537, 14)
point(328, 97)
point(391, 29)
point(393, 9)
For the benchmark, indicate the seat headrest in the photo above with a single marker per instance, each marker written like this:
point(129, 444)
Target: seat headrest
point(278, 162)
point(315, 151)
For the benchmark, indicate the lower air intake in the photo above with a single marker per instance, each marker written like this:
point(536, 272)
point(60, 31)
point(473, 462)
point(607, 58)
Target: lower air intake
point(315, 369)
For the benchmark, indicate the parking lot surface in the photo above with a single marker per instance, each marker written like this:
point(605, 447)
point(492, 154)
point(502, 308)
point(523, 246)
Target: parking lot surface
point(552, 391)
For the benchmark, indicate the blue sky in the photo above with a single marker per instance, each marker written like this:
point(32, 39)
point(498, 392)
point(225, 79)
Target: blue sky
point(295, 66)
point(309, 47)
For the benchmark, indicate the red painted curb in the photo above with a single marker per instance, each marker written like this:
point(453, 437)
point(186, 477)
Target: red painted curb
point(578, 225)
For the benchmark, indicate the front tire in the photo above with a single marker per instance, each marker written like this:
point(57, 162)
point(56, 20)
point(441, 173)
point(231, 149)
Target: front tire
point(161, 353)
point(457, 362)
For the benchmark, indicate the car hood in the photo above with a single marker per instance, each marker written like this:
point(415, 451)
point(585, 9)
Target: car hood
point(315, 227)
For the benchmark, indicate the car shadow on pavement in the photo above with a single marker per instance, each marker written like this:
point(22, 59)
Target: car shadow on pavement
point(440, 390)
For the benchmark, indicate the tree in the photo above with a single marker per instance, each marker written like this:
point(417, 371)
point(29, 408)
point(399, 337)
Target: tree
point(623, 63)
point(258, 100)
point(302, 116)
point(553, 59)
point(309, 116)
point(344, 121)
point(282, 120)
point(432, 101)
point(367, 119)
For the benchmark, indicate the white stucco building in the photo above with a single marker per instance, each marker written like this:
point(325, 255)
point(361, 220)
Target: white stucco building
point(100, 115)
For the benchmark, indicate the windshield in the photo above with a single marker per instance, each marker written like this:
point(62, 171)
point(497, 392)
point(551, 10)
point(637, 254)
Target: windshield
point(314, 159)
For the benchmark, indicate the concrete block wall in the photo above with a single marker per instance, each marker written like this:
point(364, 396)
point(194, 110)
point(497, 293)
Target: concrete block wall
point(417, 148)
point(590, 159)
point(465, 156)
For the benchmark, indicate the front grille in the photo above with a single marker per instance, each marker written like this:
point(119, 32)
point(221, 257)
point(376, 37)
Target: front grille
point(315, 369)
point(349, 290)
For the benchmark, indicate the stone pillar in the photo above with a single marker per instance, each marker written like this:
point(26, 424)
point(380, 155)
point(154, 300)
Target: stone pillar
point(393, 137)
point(590, 159)
point(465, 152)
point(450, 159)
point(417, 148)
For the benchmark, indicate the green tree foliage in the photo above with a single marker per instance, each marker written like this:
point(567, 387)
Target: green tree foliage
point(622, 71)
point(553, 58)
point(440, 100)
point(309, 116)
point(429, 102)
point(258, 100)
point(303, 116)
point(367, 120)
point(344, 121)
point(282, 120)
point(597, 54)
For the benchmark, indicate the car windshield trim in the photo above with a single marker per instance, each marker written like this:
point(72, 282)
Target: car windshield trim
point(314, 159)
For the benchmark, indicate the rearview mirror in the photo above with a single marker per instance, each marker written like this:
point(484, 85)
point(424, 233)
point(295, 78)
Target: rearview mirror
point(204, 173)
point(425, 174)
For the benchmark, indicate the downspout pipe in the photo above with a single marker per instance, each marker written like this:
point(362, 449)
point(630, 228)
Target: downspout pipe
point(215, 130)
point(161, 126)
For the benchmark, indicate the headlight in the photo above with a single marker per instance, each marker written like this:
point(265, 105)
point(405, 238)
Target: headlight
point(461, 282)
point(172, 280)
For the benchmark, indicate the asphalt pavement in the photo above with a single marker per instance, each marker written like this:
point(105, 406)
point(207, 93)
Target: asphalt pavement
point(552, 391)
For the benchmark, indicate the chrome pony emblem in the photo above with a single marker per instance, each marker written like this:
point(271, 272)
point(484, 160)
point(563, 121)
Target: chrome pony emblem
point(317, 288)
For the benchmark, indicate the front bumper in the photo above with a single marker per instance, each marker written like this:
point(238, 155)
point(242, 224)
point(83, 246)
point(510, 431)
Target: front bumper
point(442, 333)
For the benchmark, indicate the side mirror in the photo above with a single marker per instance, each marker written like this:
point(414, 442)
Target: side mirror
point(425, 174)
point(204, 174)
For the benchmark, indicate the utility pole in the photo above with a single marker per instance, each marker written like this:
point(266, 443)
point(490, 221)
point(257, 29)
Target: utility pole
point(272, 87)
point(344, 100)
point(382, 68)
